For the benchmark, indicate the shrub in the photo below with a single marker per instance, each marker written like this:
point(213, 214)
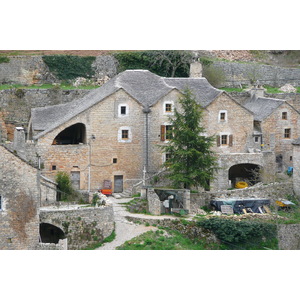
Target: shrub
point(67, 67)
point(240, 234)
point(4, 59)
point(64, 186)
point(215, 76)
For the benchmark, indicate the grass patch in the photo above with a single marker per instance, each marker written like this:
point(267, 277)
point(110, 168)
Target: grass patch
point(272, 90)
point(99, 244)
point(165, 239)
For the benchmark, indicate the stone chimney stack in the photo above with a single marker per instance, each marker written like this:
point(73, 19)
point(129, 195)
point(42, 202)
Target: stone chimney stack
point(196, 69)
point(257, 92)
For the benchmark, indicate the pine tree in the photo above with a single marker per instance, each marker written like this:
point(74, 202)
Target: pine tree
point(191, 162)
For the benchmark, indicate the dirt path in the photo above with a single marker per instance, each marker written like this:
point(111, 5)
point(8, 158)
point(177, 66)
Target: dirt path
point(124, 229)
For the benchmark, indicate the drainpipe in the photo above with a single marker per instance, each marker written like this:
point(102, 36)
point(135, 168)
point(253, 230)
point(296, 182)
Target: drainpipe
point(146, 111)
point(90, 159)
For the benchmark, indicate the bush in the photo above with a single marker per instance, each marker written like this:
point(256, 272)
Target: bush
point(67, 67)
point(64, 186)
point(215, 76)
point(240, 234)
point(4, 59)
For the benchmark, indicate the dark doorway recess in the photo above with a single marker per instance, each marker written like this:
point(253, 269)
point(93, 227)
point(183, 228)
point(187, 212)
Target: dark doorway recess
point(50, 233)
point(72, 135)
point(244, 172)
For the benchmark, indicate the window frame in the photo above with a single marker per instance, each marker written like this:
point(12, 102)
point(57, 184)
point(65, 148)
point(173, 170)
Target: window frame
point(122, 139)
point(222, 120)
point(287, 133)
point(284, 115)
point(120, 106)
point(168, 112)
point(124, 134)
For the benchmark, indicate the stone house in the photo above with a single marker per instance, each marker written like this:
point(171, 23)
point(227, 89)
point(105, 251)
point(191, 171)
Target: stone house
point(276, 125)
point(3, 130)
point(114, 132)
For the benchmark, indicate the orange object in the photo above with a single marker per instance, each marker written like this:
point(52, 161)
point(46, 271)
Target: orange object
point(106, 191)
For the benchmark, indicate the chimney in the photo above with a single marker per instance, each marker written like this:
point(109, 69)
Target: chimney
point(195, 69)
point(257, 92)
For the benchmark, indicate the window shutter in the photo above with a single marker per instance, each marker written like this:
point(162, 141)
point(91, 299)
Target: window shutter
point(218, 141)
point(163, 132)
point(230, 140)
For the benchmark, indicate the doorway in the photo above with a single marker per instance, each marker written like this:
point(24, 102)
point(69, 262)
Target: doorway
point(118, 183)
point(75, 179)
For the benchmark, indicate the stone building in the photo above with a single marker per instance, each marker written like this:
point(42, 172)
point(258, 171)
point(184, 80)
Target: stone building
point(296, 167)
point(19, 202)
point(3, 130)
point(276, 125)
point(114, 132)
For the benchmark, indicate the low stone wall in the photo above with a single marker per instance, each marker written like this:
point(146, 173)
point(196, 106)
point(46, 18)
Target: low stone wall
point(289, 237)
point(191, 230)
point(271, 191)
point(82, 226)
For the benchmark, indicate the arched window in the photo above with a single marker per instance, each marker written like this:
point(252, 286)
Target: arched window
point(73, 135)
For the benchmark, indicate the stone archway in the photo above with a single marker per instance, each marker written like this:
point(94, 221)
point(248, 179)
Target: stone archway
point(50, 233)
point(72, 135)
point(247, 172)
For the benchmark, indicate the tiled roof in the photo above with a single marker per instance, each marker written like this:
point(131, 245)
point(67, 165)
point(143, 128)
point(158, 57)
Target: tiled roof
point(147, 88)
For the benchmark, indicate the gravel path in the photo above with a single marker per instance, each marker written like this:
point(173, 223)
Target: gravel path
point(124, 229)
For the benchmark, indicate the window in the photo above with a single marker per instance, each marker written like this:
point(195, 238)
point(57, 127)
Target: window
point(287, 133)
point(166, 132)
point(256, 139)
point(123, 110)
point(168, 156)
point(168, 107)
point(53, 167)
point(0, 202)
point(223, 116)
point(224, 139)
point(284, 115)
point(291, 158)
point(115, 160)
point(125, 134)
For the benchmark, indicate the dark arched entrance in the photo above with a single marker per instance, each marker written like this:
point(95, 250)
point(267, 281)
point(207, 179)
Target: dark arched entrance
point(50, 233)
point(72, 135)
point(249, 173)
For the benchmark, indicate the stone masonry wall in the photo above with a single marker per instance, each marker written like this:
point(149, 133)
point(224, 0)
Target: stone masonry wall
point(19, 190)
point(289, 236)
point(271, 191)
point(82, 226)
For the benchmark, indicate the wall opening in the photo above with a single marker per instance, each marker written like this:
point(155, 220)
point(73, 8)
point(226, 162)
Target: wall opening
point(73, 135)
point(249, 173)
point(50, 233)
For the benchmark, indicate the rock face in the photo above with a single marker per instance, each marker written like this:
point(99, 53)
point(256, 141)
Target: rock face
point(288, 88)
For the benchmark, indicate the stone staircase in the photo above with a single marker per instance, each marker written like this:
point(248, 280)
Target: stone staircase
point(125, 194)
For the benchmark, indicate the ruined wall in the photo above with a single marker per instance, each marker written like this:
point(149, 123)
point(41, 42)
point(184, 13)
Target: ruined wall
point(82, 226)
point(271, 191)
point(19, 190)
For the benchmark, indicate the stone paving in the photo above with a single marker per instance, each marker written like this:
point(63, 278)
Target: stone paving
point(124, 229)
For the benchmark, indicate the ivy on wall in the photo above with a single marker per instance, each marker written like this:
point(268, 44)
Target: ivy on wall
point(4, 59)
point(67, 67)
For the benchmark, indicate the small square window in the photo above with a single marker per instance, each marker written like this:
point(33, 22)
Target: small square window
point(224, 140)
point(284, 115)
point(53, 167)
point(168, 107)
point(168, 156)
point(291, 158)
point(256, 139)
point(222, 116)
point(287, 133)
point(169, 132)
point(115, 160)
point(125, 134)
point(123, 110)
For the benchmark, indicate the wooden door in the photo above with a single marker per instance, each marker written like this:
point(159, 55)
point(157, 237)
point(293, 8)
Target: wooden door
point(118, 184)
point(75, 179)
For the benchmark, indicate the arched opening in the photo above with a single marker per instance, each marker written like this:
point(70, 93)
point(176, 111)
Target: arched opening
point(249, 173)
point(50, 233)
point(75, 134)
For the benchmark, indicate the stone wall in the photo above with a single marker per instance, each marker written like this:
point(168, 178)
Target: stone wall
point(249, 73)
point(19, 191)
point(271, 191)
point(289, 236)
point(82, 226)
point(296, 171)
point(32, 70)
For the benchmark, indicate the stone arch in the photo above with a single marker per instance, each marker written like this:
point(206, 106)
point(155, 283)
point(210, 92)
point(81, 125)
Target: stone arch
point(72, 135)
point(248, 172)
point(50, 233)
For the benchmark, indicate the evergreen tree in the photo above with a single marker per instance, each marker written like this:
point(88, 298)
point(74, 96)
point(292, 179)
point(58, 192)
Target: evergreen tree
point(191, 162)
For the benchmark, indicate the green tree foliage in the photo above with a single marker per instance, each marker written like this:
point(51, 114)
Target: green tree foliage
point(67, 67)
point(191, 162)
point(168, 63)
point(64, 185)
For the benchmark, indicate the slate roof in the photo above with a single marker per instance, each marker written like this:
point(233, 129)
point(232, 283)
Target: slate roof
point(262, 107)
point(147, 88)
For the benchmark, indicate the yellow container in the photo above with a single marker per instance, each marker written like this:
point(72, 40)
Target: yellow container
point(241, 185)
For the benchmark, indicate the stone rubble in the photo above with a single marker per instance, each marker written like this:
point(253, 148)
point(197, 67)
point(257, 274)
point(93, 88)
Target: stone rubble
point(288, 88)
